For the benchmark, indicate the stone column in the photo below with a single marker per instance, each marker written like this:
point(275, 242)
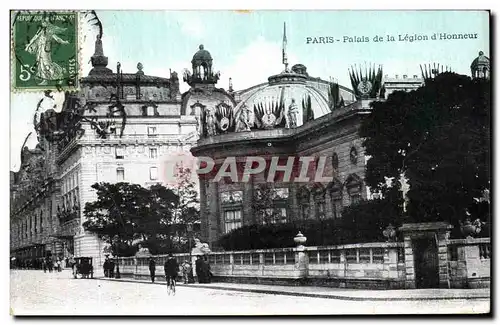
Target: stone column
point(444, 274)
point(204, 211)
point(409, 263)
point(248, 213)
point(294, 208)
point(213, 223)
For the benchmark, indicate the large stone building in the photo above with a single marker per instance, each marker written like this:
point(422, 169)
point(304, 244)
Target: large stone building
point(292, 115)
point(121, 126)
point(118, 128)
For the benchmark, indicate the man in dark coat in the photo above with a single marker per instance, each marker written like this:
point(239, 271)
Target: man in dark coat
point(199, 271)
point(106, 268)
point(206, 270)
point(152, 268)
point(171, 268)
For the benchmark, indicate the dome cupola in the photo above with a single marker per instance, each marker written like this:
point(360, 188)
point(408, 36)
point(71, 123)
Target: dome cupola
point(480, 67)
point(202, 72)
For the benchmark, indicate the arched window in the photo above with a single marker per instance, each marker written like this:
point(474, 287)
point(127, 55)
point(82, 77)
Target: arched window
point(335, 192)
point(319, 192)
point(353, 185)
point(303, 197)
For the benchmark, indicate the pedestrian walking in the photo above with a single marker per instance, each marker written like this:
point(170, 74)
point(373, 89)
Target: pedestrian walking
point(198, 267)
point(186, 271)
point(152, 268)
point(105, 266)
point(171, 268)
point(50, 264)
point(205, 270)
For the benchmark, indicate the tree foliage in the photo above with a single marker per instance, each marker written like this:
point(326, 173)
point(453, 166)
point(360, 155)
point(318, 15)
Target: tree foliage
point(439, 137)
point(353, 227)
point(124, 214)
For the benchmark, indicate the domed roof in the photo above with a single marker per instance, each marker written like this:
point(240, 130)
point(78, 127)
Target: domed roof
point(481, 60)
point(202, 55)
point(300, 68)
point(287, 88)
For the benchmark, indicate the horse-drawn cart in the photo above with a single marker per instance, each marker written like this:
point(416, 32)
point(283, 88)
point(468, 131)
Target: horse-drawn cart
point(83, 267)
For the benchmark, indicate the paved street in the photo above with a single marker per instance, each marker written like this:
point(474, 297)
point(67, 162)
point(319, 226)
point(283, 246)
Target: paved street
point(38, 293)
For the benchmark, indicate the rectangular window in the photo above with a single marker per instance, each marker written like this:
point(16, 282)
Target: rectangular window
point(120, 174)
point(232, 220)
point(152, 131)
point(246, 258)
point(153, 173)
point(153, 153)
point(218, 259)
point(119, 152)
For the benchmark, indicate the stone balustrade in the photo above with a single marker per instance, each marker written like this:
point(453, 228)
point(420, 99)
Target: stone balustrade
point(368, 265)
point(358, 265)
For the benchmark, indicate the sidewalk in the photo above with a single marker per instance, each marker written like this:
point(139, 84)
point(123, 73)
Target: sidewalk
point(334, 293)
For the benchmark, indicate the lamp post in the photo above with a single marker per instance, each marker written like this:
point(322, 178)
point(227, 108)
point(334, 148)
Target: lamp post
point(117, 274)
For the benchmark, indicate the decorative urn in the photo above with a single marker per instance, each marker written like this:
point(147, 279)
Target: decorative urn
point(470, 228)
point(300, 239)
point(389, 232)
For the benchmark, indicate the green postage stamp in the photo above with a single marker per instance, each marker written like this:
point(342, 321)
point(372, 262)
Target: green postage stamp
point(44, 50)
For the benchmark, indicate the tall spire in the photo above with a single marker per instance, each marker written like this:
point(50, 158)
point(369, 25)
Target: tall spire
point(99, 60)
point(285, 58)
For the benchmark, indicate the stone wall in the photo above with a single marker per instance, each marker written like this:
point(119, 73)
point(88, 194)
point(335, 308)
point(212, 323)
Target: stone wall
point(470, 261)
point(369, 265)
point(372, 265)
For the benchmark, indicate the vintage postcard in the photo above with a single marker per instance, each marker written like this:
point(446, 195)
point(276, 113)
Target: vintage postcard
point(250, 162)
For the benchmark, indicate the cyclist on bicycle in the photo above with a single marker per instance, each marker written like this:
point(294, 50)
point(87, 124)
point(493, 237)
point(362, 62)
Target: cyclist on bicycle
point(171, 269)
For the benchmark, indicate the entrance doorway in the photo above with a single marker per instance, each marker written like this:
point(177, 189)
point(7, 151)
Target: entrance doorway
point(426, 262)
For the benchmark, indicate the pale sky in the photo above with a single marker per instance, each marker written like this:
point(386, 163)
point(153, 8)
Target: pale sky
point(247, 46)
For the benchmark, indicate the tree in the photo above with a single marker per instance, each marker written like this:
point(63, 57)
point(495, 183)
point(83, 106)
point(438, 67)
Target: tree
point(187, 210)
point(438, 137)
point(124, 213)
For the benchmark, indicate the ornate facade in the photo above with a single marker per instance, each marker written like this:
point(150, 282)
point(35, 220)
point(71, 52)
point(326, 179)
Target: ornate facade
point(292, 115)
point(119, 127)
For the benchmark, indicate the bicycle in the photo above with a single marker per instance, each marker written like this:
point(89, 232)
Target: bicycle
point(171, 285)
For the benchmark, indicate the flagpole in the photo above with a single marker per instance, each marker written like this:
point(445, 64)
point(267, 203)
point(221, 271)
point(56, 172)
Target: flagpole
point(285, 58)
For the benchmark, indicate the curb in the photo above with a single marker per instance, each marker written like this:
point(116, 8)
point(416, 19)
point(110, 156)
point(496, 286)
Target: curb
point(303, 294)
